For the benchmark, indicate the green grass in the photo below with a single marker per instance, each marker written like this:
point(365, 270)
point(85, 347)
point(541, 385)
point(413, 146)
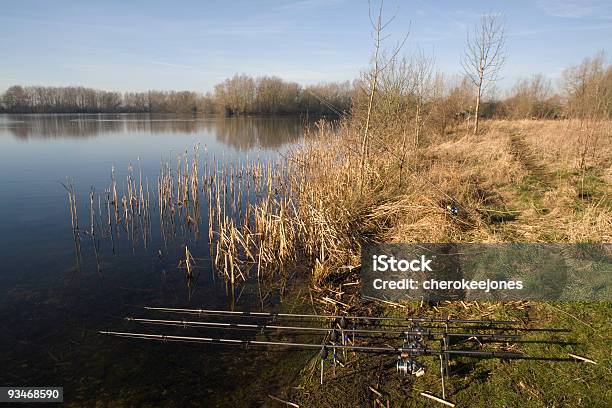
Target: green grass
point(545, 384)
point(492, 382)
point(530, 190)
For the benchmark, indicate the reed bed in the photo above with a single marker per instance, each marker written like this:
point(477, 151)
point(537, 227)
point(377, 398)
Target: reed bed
point(241, 235)
point(264, 217)
point(112, 214)
point(318, 205)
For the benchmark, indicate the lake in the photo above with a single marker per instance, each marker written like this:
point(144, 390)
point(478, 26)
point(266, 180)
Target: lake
point(55, 298)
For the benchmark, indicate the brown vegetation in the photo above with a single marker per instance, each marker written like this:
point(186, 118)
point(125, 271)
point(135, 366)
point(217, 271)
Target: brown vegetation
point(502, 194)
point(400, 170)
point(271, 95)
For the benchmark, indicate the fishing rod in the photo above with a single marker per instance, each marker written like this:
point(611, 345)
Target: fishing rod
point(421, 350)
point(415, 331)
point(407, 356)
point(318, 316)
point(415, 338)
point(475, 327)
point(411, 349)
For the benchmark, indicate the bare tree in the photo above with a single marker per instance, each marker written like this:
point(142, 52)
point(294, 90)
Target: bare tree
point(379, 65)
point(484, 55)
point(423, 86)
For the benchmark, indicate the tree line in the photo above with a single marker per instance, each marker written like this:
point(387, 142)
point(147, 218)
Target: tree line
point(418, 104)
point(412, 87)
point(77, 99)
point(240, 94)
point(584, 92)
point(408, 85)
point(271, 95)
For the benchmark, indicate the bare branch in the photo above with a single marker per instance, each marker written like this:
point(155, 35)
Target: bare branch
point(485, 55)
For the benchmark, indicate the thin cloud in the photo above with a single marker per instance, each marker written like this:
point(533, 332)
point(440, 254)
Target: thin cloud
point(244, 29)
point(170, 65)
point(325, 52)
point(537, 31)
point(62, 23)
point(11, 79)
point(574, 8)
point(308, 4)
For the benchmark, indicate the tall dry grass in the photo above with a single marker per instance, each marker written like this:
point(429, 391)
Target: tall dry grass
point(327, 208)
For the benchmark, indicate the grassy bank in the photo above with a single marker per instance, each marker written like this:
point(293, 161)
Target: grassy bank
point(516, 181)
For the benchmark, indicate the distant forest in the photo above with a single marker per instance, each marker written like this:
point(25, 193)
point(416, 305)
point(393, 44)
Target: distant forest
point(584, 89)
point(240, 94)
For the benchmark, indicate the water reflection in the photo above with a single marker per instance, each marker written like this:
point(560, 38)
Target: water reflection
point(247, 133)
point(240, 133)
point(57, 289)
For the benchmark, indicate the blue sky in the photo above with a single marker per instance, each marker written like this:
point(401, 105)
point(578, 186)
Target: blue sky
point(139, 45)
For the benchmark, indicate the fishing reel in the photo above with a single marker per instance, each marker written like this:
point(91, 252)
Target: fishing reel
point(405, 364)
point(408, 366)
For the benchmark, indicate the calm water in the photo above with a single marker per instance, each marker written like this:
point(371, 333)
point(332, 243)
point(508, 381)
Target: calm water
point(51, 306)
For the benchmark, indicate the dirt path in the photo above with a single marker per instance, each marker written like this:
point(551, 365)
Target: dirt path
point(522, 153)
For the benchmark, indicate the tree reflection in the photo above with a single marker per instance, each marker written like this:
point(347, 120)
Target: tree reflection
point(244, 133)
point(240, 133)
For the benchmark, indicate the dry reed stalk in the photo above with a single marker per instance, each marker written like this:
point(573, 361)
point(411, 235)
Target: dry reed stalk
point(115, 201)
point(91, 211)
point(188, 263)
point(74, 221)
